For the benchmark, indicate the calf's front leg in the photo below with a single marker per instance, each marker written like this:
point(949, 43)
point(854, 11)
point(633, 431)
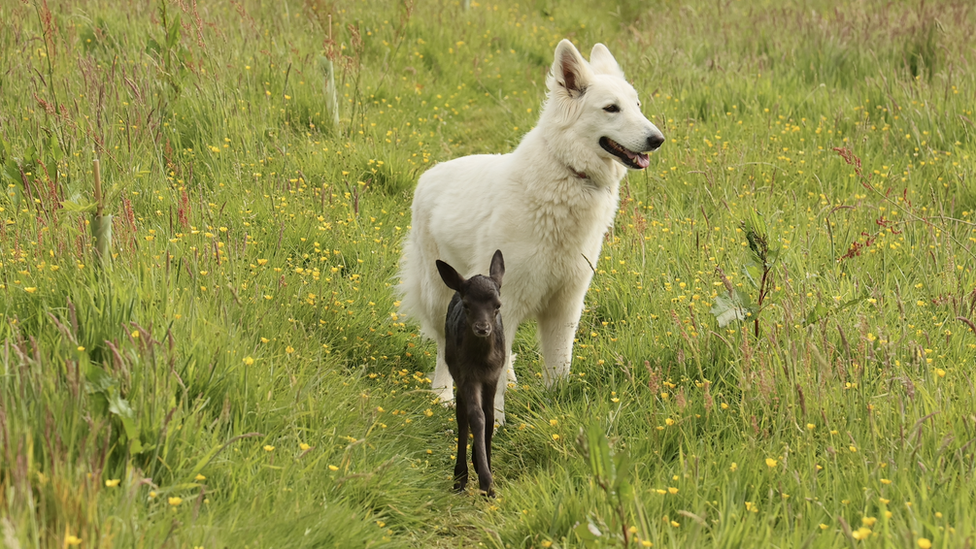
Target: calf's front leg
point(461, 466)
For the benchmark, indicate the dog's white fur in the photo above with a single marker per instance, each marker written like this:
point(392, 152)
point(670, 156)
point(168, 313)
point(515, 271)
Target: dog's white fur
point(547, 205)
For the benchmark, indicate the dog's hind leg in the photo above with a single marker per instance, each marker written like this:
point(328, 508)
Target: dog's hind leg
point(507, 376)
point(443, 383)
point(430, 310)
point(508, 373)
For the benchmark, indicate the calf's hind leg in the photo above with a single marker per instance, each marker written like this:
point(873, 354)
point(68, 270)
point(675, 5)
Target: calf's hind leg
point(486, 480)
point(461, 466)
point(476, 407)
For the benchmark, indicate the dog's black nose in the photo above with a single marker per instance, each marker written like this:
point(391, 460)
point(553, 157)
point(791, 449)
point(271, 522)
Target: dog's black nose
point(654, 142)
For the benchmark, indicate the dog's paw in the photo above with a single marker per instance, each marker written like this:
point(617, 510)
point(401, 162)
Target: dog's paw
point(510, 369)
point(552, 376)
point(499, 418)
point(445, 396)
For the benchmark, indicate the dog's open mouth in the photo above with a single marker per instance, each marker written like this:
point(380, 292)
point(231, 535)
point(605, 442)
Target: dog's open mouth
point(638, 161)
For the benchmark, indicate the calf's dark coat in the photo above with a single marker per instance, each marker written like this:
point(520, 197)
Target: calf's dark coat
point(475, 355)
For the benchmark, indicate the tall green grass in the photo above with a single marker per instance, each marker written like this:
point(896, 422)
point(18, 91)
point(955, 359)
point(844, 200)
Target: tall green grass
point(237, 372)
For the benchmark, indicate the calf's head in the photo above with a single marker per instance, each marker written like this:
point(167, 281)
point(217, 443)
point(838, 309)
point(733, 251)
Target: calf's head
point(479, 294)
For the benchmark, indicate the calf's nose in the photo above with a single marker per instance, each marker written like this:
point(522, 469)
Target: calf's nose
point(482, 329)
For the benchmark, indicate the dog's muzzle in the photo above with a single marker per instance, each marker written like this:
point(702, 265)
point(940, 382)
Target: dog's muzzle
point(635, 160)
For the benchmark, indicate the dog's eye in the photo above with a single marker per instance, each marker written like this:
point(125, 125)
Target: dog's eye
point(611, 108)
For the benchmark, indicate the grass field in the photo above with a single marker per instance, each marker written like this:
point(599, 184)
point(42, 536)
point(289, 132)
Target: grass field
point(234, 372)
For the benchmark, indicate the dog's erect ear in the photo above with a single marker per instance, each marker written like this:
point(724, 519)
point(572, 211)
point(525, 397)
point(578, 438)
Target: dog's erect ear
point(450, 276)
point(569, 70)
point(497, 267)
point(602, 62)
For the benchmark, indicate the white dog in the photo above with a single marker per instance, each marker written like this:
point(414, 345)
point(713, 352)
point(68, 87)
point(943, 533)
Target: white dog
point(547, 206)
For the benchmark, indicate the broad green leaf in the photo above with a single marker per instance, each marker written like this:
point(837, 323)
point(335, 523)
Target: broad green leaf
point(730, 308)
point(152, 47)
point(53, 151)
point(624, 467)
point(135, 446)
point(325, 65)
point(81, 206)
point(819, 311)
point(753, 273)
point(599, 449)
point(173, 33)
point(587, 532)
point(120, 407)
point(11, 171)
point(98, 380)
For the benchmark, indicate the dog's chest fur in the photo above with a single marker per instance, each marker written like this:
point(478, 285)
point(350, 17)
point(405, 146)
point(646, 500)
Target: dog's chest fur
point(565, 223)
point(569, 215)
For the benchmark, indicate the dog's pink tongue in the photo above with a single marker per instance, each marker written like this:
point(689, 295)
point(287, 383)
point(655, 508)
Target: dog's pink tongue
point(638, 158)
point(641, 160)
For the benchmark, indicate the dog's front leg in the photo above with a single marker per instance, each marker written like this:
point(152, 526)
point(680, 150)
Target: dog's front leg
point(557, 328)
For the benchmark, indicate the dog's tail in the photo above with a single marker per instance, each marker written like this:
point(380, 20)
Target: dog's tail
point(420, 290)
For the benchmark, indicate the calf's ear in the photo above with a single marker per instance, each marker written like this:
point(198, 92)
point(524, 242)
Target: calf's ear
point(497, 267)
point(450, 276)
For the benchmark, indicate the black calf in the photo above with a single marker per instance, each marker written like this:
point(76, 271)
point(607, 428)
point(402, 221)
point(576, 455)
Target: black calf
point(475, 356)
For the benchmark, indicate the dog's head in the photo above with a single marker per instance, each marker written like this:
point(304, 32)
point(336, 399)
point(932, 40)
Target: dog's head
point(595, 103)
